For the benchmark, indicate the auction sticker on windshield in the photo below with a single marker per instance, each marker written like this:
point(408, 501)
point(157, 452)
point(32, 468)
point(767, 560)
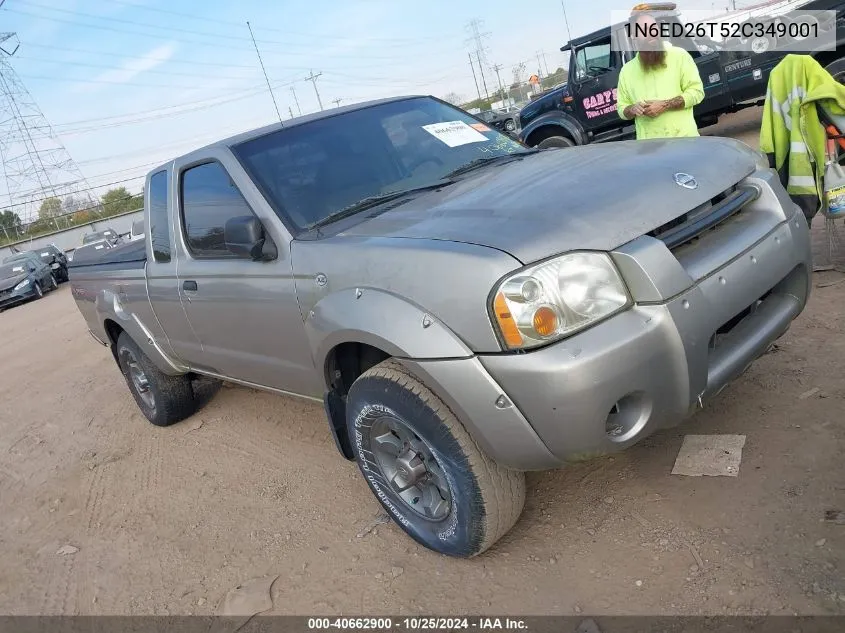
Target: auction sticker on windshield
point(455, 133)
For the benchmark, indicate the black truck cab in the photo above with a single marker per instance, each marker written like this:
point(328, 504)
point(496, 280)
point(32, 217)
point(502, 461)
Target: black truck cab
point(584, 110)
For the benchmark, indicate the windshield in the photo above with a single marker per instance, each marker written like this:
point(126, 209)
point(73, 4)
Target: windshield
point(10, 270)
point(311, 171)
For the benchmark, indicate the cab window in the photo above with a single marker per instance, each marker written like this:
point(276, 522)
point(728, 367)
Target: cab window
point(595, 59)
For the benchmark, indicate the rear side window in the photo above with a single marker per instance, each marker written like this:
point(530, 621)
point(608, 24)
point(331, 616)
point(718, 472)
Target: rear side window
point(159, 223)
point(209, 199)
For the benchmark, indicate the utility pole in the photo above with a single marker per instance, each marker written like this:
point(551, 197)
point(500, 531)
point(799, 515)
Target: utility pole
point(539, 66)
point(298, 109)
point(477, 38)
point(337, 101)
point(313, 79)
point(474, 78)
point(497, 68)
point(545, 63)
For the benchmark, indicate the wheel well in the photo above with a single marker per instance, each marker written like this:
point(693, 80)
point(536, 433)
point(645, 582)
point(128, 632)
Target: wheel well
point(347, 361)
point(113, 331)
point(344, 364)
point(547, 131)
point(828, 57)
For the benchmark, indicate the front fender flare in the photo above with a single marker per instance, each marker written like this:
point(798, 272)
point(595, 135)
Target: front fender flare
point(381, 319)
point(559, 119)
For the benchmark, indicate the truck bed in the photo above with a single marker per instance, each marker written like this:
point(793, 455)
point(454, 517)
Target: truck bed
point(132, 255)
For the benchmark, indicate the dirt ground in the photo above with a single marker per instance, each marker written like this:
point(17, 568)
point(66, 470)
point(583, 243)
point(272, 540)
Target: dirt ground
point(168, 520)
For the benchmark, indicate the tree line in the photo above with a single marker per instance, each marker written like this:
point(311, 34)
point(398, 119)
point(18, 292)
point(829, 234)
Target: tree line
point(55, 214)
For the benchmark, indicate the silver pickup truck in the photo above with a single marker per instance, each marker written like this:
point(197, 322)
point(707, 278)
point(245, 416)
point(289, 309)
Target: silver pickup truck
point(466, 308)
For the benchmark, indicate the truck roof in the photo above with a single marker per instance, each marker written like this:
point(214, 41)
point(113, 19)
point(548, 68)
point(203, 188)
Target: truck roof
point(296, 121)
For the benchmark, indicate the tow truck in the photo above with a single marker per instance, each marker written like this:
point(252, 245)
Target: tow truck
point(584, 109)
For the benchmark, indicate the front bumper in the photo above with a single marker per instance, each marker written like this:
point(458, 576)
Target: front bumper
point(10, 298)
point(650, 367)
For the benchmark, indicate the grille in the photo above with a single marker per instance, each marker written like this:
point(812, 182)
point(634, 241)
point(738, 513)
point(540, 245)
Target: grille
point(706, 217)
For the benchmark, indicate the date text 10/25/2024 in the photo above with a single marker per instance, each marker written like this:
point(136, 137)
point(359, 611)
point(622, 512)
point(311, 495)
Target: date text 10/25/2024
point(417, 624)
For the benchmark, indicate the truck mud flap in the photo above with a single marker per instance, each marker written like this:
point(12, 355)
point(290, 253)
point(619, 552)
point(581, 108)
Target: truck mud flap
point(336, 413)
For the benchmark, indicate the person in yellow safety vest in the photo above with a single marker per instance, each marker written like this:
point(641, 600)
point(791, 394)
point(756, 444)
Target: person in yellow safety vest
point(659, 88)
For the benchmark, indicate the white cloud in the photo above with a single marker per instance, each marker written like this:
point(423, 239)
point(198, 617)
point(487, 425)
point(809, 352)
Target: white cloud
point(131, 68)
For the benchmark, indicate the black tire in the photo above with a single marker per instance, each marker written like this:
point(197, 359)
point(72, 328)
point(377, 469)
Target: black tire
point(556, 141)
point(172, 396)
point(837, 69)
point(54, 284)
point(38, 291)
point(485, 498)
point(510, 126)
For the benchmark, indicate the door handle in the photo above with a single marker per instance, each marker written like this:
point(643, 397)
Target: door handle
point(189, 286)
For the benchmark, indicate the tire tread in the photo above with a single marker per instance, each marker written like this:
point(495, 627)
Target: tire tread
point(502, 489)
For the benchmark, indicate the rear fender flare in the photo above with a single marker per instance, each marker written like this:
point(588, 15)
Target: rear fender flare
point(110, 306)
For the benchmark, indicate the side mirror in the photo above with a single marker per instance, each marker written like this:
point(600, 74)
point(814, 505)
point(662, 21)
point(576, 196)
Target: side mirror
point(245, 237)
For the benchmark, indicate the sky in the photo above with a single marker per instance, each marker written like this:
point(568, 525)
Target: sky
point(128, 84)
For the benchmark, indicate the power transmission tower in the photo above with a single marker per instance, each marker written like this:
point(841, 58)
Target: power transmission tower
point(337, 101)
point(474, 78)
point(293, 90)
point(313, 79)
point(36, 165)
point(477, 39)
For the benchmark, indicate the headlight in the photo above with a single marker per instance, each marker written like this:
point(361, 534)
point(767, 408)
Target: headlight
point(22, 284)
point(557, 298)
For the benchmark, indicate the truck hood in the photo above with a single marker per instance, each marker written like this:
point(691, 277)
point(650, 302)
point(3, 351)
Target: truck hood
point(594, 197)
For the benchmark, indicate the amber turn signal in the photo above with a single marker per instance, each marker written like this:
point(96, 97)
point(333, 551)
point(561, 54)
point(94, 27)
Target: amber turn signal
point(507, 326)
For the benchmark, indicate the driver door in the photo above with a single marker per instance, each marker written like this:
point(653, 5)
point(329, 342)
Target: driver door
point(596, 76)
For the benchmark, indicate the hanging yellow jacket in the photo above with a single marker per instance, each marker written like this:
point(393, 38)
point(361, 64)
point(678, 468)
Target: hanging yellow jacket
point(791, 134)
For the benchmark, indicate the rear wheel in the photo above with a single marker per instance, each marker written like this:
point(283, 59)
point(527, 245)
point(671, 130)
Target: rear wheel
point(163, 399)
point(510, 126)
point(425, 469)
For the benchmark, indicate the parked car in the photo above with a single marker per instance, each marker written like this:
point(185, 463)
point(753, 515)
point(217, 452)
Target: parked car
point(109, 235)
point(51, 255)
point(584, 110)
point(137, 230)
point(24, 277)
point(466, 308)
point(501, 119)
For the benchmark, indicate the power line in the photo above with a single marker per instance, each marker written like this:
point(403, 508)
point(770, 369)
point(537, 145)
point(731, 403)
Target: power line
point(320, 36)
point(196, 42)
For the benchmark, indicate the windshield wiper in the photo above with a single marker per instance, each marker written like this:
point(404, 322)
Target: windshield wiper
point(372, 201)
point(489, 160)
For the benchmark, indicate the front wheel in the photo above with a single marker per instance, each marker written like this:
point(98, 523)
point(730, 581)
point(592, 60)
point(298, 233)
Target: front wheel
point(510, 126)
point(556, 141)
point(36, 288)
point(425, 469)
point(54, 284)
point(163, 399)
